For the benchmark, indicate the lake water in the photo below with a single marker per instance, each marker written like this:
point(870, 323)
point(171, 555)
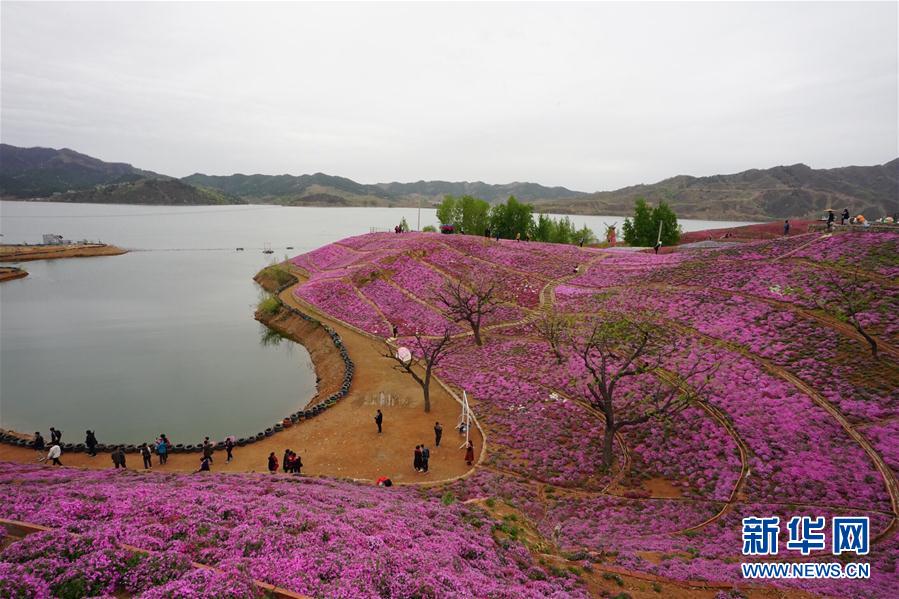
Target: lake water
point(163, 339)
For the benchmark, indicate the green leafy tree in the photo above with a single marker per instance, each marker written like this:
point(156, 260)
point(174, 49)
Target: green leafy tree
point(643, 230)
point(475, 215)
point(512, 218)
point(585, 236)
point(404, 226)
point(639, 231)
point(449, 212)
point(543, 229)
point(468, 214)
point(670, 229)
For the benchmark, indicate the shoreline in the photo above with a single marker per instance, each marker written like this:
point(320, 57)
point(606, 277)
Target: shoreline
point(11, 273)
point(25, 253)
point(341, 441)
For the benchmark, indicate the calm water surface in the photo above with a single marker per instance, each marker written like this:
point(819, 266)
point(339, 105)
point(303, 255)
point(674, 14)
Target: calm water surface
point(163, 339)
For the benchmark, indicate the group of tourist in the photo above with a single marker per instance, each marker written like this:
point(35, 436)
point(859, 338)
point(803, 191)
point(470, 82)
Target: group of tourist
point(292, 462)
point(162, 447)
point(421, 457)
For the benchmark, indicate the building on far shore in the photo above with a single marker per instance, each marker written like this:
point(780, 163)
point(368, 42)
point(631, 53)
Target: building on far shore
point(52, 239)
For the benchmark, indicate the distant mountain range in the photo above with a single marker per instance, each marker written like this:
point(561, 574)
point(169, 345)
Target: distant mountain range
point(796, 191)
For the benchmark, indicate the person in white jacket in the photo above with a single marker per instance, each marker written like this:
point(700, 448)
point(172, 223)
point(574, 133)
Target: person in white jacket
point(54, 454)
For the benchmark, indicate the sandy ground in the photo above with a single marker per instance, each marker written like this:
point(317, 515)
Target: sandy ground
point(22, 253)
point(343, 441)
point(8, 273)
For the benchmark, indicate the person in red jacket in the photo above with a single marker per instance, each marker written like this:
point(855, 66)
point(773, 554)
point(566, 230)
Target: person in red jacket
point(272, 463)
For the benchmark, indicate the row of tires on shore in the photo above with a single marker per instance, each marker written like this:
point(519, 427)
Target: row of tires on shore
point(349, 371)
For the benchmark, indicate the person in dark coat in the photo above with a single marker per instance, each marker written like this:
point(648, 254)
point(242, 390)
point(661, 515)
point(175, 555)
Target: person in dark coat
point(146, 454)
point(845, 216)
point(379, 419)
point(39, 443)
point(830, 219)
point(55, 436)
point(469, 453)
point(416, 460)
point(786, 227)
point(204, 464)
point(272, 463)
point(118, 457)
point(438, 434)
point(207, 449)
point(90, 441)
point(285, 462)
point(229, 447)
point(296, 464)
point(425, 458)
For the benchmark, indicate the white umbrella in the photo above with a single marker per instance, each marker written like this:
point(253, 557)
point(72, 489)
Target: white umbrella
point(404, 355)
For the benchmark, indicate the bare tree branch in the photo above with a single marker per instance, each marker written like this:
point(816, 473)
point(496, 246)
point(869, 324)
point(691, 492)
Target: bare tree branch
point(469, 303)
point(426, 354)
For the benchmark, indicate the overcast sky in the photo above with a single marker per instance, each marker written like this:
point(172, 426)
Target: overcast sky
point(589, 96)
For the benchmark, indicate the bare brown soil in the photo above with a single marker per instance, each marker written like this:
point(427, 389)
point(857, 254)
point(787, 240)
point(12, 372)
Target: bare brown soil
point(22, 253)
point(8, 273)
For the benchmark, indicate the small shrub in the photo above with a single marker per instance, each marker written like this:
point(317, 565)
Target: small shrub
point(269, 305)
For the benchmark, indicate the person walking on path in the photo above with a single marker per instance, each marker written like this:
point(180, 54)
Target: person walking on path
point(145, 453)
point(416, 460)
point(55, 436)
point(272, 463)
point(229, 447)
point(844, 216)
point(379, 419)
point(786, 227)
point(469, 453)
point(39, 444)
point(830, 219)
point(425, 458)
point(162, 450)
point(285, 461)
point(90, 441)
point(204, 464)
point(438, 434)
point(55, 452)
point(118, 457)
point(297, 464)
point(207, 449)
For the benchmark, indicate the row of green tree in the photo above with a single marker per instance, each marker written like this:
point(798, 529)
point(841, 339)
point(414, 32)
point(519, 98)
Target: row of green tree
point(510, 220)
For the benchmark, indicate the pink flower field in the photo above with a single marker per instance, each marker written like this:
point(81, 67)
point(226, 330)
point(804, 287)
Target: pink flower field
point(794, 417)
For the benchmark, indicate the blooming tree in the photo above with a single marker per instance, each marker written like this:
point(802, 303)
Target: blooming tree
point(624, 358)
point(469, 302)
point(425, 352)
